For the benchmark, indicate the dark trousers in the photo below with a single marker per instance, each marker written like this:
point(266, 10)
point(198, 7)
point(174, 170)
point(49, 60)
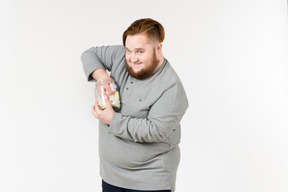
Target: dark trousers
point(110, 188)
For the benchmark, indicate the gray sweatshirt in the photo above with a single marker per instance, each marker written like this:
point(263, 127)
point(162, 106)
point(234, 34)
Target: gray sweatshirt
point(139, 149)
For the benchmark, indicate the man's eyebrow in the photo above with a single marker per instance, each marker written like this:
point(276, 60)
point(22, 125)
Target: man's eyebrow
point(137, 49)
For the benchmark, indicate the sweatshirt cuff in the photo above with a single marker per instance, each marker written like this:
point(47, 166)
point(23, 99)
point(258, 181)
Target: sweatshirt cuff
point(115, 123)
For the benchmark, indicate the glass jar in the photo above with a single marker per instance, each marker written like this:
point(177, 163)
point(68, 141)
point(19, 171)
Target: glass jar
point(105, 89)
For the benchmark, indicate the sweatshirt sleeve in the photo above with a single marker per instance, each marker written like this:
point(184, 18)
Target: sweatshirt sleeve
point(164, 116)
point(99, 57)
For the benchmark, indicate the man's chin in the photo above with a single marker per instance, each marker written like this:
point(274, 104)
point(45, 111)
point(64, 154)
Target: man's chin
point(133, 74)
point(137, 75)
point(135, 71)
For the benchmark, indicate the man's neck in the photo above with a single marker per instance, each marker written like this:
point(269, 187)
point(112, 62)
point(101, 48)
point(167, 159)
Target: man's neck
point(161, 62)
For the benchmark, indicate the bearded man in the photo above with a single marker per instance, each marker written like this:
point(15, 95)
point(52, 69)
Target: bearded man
point(138, 144)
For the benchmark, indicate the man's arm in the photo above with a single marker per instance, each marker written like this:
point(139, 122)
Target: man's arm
point(99, 58)
point(164, 116)
point(96, 61)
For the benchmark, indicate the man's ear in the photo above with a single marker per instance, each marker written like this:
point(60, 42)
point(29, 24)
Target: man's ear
point(159, 47)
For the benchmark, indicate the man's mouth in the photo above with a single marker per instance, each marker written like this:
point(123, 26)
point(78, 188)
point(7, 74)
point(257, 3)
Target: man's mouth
point(136, 64)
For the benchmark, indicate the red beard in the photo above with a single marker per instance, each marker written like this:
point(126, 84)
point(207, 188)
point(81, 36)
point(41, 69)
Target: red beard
point(143, 73)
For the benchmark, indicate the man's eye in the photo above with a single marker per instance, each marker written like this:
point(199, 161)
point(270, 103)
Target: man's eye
point(140, 51)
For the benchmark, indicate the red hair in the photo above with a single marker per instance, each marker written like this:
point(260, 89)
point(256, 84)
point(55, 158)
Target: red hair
point(153, 29)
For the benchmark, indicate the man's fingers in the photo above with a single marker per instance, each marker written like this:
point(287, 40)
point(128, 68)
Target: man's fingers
point(96, 109)
point(93, 111)
point(108, 103)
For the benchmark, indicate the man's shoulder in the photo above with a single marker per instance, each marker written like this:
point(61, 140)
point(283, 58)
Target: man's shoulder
point(118, 47)
point(170, 76)
point(114, 49)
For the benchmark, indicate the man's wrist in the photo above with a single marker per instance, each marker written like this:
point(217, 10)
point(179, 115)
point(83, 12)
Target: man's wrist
point(101, 74)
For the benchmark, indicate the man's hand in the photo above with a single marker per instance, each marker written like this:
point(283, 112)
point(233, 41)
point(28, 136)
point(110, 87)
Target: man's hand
point(106, 115)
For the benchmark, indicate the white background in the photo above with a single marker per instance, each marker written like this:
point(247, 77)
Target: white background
point(231, 56)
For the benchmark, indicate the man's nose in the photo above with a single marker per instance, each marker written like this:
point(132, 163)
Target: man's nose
point(134, 58)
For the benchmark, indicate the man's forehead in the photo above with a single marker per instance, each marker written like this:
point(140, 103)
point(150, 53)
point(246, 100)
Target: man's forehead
point(135, 45)
point(140, 38)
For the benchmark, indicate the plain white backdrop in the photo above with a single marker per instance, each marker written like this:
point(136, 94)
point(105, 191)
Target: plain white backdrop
point(232, 59)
